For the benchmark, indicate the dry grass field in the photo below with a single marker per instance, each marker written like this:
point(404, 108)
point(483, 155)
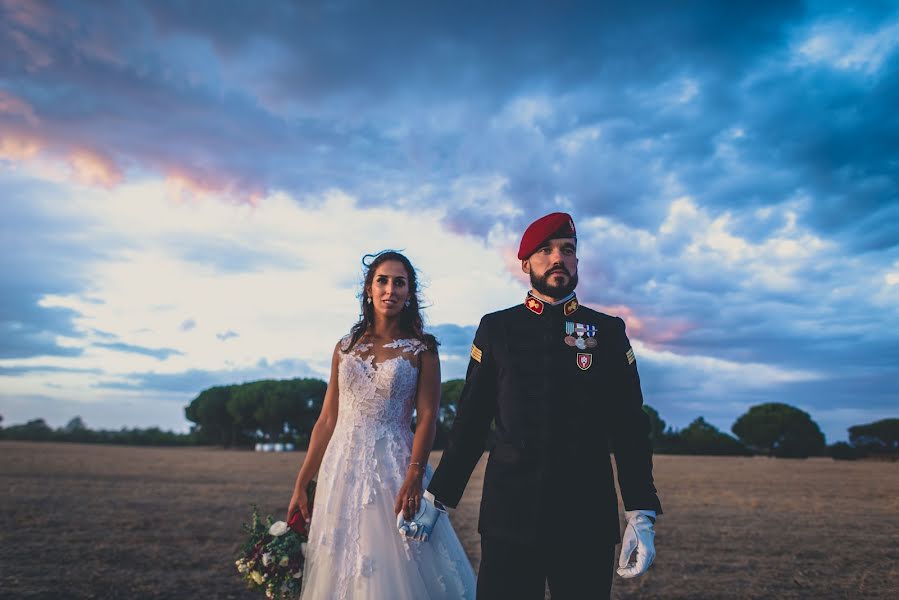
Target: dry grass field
point(83, 521)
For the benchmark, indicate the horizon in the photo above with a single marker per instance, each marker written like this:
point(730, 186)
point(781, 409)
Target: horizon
point(191, 424)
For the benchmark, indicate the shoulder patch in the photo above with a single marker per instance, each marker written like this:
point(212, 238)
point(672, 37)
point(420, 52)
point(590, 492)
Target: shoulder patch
point(476, 353)
point(631, 359)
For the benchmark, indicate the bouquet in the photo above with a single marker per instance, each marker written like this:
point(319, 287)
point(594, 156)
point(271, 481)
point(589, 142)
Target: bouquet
point(273, 557)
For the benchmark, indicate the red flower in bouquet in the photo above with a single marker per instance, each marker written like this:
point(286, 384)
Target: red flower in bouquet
point(298, 524)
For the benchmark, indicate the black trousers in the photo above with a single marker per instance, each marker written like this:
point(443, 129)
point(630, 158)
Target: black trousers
point(574, 569)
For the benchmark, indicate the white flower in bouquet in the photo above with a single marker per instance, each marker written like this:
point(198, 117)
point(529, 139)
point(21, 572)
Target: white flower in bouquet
point(242, 566)
point(278, 528)
point(257, 577)
point(298, 574)
point(266, 559)
point(283, 562)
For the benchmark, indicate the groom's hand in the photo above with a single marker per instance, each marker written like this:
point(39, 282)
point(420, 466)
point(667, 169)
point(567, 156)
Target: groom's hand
point(640, 536)
point(422, 524)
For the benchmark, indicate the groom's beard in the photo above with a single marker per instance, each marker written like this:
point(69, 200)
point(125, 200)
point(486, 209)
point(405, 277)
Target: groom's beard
point(542, 284)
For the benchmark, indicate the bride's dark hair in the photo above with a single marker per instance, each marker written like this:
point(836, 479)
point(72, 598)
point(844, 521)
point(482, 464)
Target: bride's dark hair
point(411, 323)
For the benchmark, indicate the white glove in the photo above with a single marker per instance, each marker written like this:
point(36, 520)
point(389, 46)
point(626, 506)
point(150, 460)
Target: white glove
point(639, 535)
point(422, 524)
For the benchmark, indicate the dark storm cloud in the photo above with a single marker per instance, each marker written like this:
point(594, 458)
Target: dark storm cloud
point(243, 100)
point(820, 132)
point(384, 100)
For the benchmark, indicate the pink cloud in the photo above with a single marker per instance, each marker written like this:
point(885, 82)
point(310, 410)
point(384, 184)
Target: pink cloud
point(187, 183)
point(20, 142)
point(94, 168)
point(653, 331)
point(18, 147)
point(635, 325)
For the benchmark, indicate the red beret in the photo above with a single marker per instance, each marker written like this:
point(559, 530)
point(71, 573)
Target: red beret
point(553, 225)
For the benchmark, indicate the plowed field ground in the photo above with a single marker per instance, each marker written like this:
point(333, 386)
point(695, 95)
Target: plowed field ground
point(90, 521)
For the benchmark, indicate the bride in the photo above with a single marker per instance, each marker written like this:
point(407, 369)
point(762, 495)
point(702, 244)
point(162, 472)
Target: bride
point(370, 467)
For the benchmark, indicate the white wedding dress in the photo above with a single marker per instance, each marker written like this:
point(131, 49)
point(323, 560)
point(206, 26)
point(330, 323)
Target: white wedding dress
point(355, 551)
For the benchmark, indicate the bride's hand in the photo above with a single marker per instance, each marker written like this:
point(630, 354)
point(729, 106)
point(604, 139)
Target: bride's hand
point(299, 502)
point(409, 499)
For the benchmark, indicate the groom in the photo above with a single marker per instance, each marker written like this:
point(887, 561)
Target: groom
point(560, 382)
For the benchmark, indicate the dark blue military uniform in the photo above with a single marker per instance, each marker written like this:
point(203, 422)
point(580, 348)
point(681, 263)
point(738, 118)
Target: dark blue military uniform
point(560, 382)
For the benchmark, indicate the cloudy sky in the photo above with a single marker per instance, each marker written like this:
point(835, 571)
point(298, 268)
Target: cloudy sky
point(187, 189)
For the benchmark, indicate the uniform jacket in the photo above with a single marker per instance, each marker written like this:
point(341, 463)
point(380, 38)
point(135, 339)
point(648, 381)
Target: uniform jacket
point(557, 409)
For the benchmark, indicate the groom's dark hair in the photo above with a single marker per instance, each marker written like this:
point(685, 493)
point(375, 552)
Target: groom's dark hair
point(411, 322)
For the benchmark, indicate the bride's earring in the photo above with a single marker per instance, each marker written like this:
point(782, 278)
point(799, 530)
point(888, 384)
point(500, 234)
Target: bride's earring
point(407, 303)
point(369, 300)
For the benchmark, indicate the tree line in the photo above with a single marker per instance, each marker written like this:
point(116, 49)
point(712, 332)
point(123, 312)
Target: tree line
point(240, 415)
point(37, 430)
point(773, 429)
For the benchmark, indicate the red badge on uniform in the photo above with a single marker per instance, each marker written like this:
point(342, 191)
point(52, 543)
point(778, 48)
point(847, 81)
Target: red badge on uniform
point(584, 360)
point(534, 305)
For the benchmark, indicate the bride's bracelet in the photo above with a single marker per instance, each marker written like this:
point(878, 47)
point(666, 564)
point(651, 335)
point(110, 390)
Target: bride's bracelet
point(416, 464)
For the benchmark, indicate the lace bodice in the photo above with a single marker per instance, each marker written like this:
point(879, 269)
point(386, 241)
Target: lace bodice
point(377, 384)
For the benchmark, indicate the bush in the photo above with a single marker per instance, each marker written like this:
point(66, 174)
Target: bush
point(880, 437)
point(844, 451)
point(35, 430)
point(780, 430)
point(701, 437)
